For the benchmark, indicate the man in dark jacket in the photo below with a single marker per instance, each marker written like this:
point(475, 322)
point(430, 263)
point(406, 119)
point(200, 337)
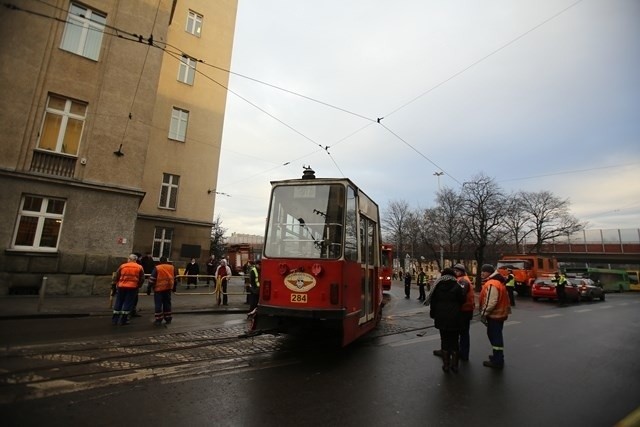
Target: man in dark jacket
point(445, 301)
point(407, 285)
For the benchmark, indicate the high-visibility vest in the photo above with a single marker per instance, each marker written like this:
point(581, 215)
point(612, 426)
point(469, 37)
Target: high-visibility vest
point(470, 300)
point(422, 279)
point(130, 275)
point(165, 274)
point(503, 306)
point(511, 282)
point(254, 270)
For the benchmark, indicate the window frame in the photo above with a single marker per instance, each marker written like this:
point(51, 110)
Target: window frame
point(187, 70)
point(86, 23)
point(169, 191)
point(64, 117)
point(178, 124)
point(42, 216)
point(191, 26)
point(162, 241)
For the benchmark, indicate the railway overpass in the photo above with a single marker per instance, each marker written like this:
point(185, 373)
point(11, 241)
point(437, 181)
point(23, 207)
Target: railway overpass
point(619, 246)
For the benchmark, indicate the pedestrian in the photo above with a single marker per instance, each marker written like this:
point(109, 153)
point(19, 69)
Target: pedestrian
point(466, 314)
point(407, 285)
point(134, 308)
point(163, 281)
point(511, 286)
point(254, 287)
point(422, 282)
point(223, 273)
point(494, 311)
point(191, 271)
point(211, 268)
point(128, 278)
point(561, 281)
point(445, 301)
point(148, 264)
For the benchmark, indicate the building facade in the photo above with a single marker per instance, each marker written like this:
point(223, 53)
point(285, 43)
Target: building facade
point(110, 137)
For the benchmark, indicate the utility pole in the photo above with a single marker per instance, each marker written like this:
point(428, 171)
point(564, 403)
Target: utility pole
point(439, 174)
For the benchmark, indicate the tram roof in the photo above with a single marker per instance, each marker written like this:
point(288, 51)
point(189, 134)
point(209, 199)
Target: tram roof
point(365, 199)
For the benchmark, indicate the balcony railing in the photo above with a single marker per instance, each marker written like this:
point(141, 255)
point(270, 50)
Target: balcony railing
point(51, 163)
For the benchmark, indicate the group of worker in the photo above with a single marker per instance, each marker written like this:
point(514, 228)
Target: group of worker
point(452, 304)
point(130, 277)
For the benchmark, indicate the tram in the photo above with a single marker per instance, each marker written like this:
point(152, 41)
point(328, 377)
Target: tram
point(321, 259)
point(386, 267)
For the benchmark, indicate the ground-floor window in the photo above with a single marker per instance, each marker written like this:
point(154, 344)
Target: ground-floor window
point(162, 242)
point(39, 223)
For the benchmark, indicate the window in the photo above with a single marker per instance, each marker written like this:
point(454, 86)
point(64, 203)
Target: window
point(187, 70)
point(162, 242)
point(169, 191)
point(62, 125)
point(194, 23)
point(39, 222)
point(83, 32)
point(178, 128)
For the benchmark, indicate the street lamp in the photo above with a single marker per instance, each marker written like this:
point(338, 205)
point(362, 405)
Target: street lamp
point(438, 174)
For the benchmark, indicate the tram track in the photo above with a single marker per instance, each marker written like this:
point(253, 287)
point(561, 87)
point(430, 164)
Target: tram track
point(32, 372)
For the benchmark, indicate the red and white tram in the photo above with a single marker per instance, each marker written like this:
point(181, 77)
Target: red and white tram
point(321, 259)
point(386, 267)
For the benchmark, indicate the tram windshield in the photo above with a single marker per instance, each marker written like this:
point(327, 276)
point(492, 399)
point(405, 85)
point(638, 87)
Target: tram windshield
point(306, 221)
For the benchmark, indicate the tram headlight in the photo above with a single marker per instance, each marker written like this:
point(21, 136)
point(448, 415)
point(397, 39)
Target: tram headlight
point(316, 269)
point(283, 269)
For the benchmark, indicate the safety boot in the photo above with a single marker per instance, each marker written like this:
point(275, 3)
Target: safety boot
point(446, 361)
point(454, 361)
point(437, 353)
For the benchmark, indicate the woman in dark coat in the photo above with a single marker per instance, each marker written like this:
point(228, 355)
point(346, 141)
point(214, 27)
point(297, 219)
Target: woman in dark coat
point(445, 300)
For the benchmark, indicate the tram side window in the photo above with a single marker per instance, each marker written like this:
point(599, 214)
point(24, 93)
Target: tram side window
point(351, 237)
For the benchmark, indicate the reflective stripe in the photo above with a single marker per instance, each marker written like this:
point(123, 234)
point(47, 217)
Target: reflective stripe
point(497, 348)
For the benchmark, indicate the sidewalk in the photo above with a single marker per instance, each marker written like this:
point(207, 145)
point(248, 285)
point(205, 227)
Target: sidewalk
point(199, 300)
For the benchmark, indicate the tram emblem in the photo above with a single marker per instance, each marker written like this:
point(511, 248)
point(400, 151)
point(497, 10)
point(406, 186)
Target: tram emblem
point(299, 282)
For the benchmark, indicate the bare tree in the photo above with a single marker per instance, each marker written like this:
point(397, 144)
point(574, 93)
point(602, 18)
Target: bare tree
point(453, 231)
point(394, 221)
point(482, 208)
point(549, 217)
point(516, 222)
point(428, 232)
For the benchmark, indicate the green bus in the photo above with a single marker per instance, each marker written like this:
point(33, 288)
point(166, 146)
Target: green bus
point(611, 280)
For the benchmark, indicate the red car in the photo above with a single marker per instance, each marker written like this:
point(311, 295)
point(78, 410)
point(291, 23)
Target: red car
point(545, 288)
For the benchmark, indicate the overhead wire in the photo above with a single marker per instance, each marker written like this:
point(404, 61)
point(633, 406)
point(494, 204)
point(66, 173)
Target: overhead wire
point(154, 43)
point(467, 68)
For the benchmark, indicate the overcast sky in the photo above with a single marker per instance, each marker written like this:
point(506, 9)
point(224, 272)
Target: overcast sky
point(538, 94)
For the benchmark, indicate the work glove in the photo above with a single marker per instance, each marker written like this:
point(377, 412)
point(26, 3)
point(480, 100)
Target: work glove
point(484, 320)
point(148, 290)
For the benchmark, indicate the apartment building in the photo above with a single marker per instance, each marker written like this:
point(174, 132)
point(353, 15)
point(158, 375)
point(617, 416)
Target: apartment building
point(111, 120)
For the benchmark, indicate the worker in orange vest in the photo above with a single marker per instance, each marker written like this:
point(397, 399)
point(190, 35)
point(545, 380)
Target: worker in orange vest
point(163, 280)
point(494, 311)
point(127, 280)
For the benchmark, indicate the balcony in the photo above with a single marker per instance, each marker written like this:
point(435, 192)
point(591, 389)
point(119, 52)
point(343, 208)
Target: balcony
point(51, 163)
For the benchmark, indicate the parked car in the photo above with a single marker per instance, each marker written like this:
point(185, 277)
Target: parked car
point(545, 288)
point(587, 288)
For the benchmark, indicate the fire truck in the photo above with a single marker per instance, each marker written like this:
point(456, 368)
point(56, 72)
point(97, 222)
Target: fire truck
point(526, 269)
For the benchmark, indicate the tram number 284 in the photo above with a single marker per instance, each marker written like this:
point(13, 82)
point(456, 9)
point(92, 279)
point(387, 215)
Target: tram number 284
point(299, 298)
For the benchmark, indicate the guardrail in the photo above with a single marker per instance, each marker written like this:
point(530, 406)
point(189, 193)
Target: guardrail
point(235, 286)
